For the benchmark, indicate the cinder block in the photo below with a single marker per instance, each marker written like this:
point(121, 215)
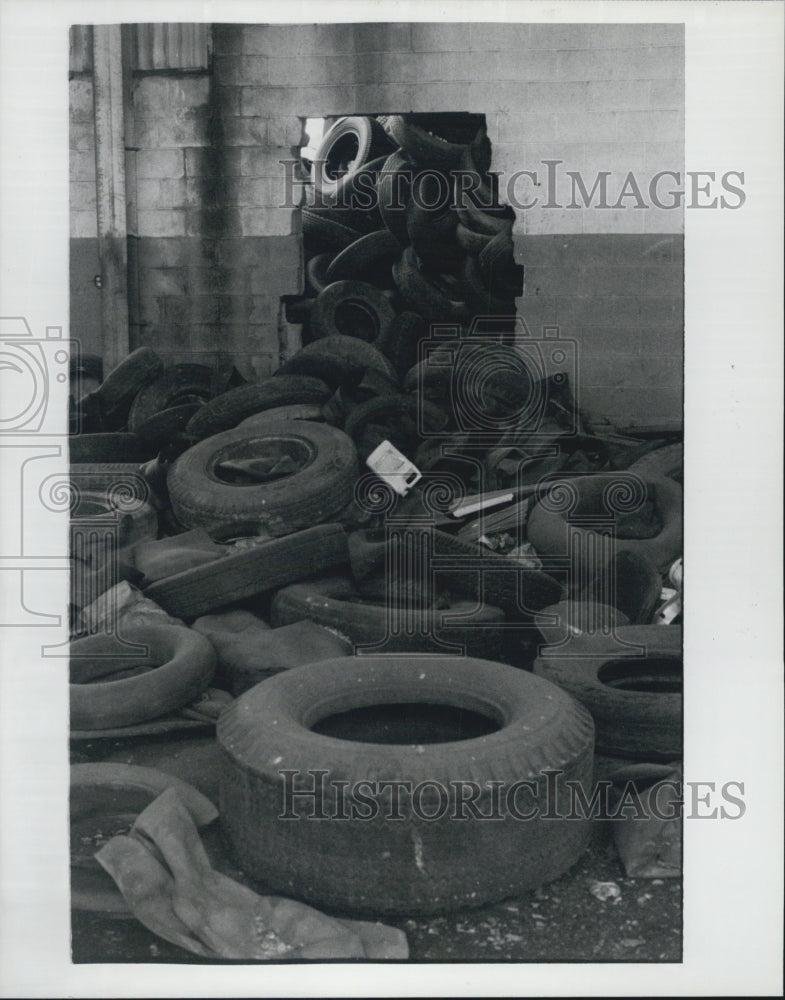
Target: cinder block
point(614, 220)
point(153, 193)
point(619, 157)
point(654, 126)
point(663, 314)
point(603, 280)
point(665, 156)
point(161, 222)
point(230, 39)
point(588, 126)
point(663, 282)
point(185, 130)
point(620, 64)
point(385, 98)
point(284, 132)
point(214, 222)
point(204, 160)
point(618, 94)
point(260, 162)
point(82, 196)
point(82, 224)
point(265, 221)
point(81, 166)
point(244, 131)
point(263, 310)
point(606, 36)
point(80, 99)
point(553, 220)
point(165, 252)
point(159, 163)
point(241, 70)
point(501, 36)
point(305, 71)
point(385, 36)
point(529, 65)
point(392, 67)
point(146, 133)
point(527, 127)
point(449, 35)
point(253, 192)
point(557, 96)
point(666, 94)
point(164, 281)
point(81, 136)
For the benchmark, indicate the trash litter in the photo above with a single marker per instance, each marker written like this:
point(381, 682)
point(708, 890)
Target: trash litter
point(394, 468)
point(166, 879)
point(650, 846)
point(605, 891)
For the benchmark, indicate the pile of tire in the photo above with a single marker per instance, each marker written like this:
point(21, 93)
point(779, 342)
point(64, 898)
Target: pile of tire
point(403, 228)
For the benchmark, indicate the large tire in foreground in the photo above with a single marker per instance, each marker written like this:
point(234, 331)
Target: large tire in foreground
point(437, 855)
point(112, 685)
point(633, 693)
point(322, 485)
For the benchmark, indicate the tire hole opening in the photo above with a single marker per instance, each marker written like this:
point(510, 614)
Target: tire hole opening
point(657, 675)
point(406, 723)
point(254, 461)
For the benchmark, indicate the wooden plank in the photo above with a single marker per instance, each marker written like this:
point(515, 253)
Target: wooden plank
point(110, 191)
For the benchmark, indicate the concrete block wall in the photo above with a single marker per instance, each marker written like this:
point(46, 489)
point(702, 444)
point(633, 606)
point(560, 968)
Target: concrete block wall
point(218, 246)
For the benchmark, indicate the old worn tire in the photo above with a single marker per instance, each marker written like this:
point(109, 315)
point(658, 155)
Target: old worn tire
point(356, 141)
point(665, 462)
point(471, 241)
point(393, 189)
point(392, 412)
point(324, 233)
point(337, 360)
point(401, 343)
point(323, 484)
point(334, 602)
point(425, 297)
point(364, 256)
point(250, 571)
point(166, 426)
point(123, 504)
point(175, 386)
point(416, 864)
point(351, 308)
point(297, 411)
point(117, 391)
point(230, 408)
point(316, 273)
point(425, 148)
point(104, 797)
point(547, 528)
point(180, 663)
point(646, 722)
point(110, 447)
point(502, 580)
